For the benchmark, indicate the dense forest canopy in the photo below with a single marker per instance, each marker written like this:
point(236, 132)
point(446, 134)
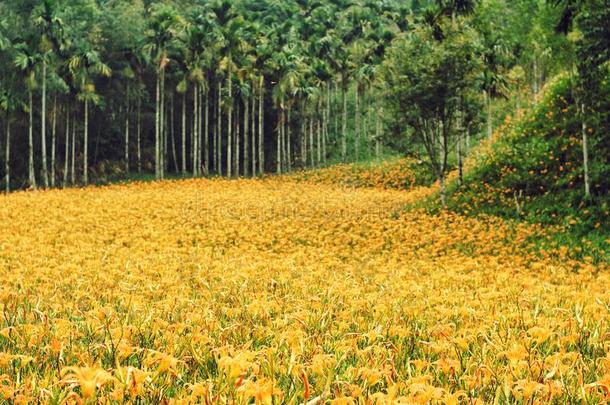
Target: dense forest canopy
point(98, 90)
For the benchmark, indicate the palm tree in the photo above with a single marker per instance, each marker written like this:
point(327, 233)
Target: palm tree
point(26, 61)
point(163, 25)
point(84, 65)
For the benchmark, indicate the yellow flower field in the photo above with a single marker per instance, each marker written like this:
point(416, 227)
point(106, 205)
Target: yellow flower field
point(279, 291)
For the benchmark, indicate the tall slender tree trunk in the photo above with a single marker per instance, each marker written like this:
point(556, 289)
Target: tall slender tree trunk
point(172, 130)
point(585, 153)
point(357, 137)
point(7, 157)
point(206, 134)
point(67, 147)
point(195, 134)
point(158, 128)
point(162, 128)
point(85, 145)
point(253, 132)
point(344, 124)
point(378, 134)
point(311, 147)
point(43, 131)
point(289, 140)
point(246, 158)
point(261, 127)
point(127, 137)
point(31, 174)
point(279, 141)
point(219, 132)
point(230, 127)
point(73, 162)
point(139, 135)
point(183, 143)
point(53, 141)
point(303, 139)
point(237, 140)
point(319, 133)
point(489, 118)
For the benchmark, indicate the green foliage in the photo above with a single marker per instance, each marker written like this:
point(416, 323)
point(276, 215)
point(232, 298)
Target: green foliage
point(534, 171)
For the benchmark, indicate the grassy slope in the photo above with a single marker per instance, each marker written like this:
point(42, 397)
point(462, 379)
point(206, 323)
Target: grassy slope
point(533, 172)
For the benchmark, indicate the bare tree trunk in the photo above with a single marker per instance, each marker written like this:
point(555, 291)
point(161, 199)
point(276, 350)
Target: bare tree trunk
point(460, 160)
point(378, 135)
point(289, 141)
point(253, 132)
point(183, 161)
point(326, 118)
point(219, 132)
point(162, 134)
point(7, 157)
point(206, 134)
point(230, 128)
point(53, 141)
point(31, 174)
point(127, 137)
point(158, 128)
point(139, 135)
point(585, 153)
point(489, 120)
point(43, 131)
point(357, 122)
point(344, 124)
point(173, 133)
point(195, 133)
point(261, 127)
point(443, 190)
point(318, 133)
point(279, 141)
point(73, 163)
point(67, 147)
point(85, 145)
point(303, 139)
point(311, 147)
point(237, 139)
point(246, 160)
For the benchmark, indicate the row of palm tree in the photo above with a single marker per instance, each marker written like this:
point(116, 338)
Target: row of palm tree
point(239, 88)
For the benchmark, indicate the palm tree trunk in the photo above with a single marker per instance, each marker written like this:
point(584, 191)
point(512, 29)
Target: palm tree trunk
point(219, 131)
point(173, 133)
point(195, 134)
point(43, 132)
point(237, 139)
point(184, 133)
point(303, 139)
point(261, 127)
point(246, 158)
point(31, 174)
point(289, 141)
point(73, 163)
point(253, 131)
point(53, 141)
point(7, 157)
point(230, 127)
point(206, 134)
point(378, 135)
point(311, 148)
point(279, 141)
point(357, 122)
point(85, 145)
point(319, 133)
point(127, 138)
point(585, 153)
point(67, 147)
point(139, 135)
point(489, 122)
point(344, 124)
point(158, 128)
